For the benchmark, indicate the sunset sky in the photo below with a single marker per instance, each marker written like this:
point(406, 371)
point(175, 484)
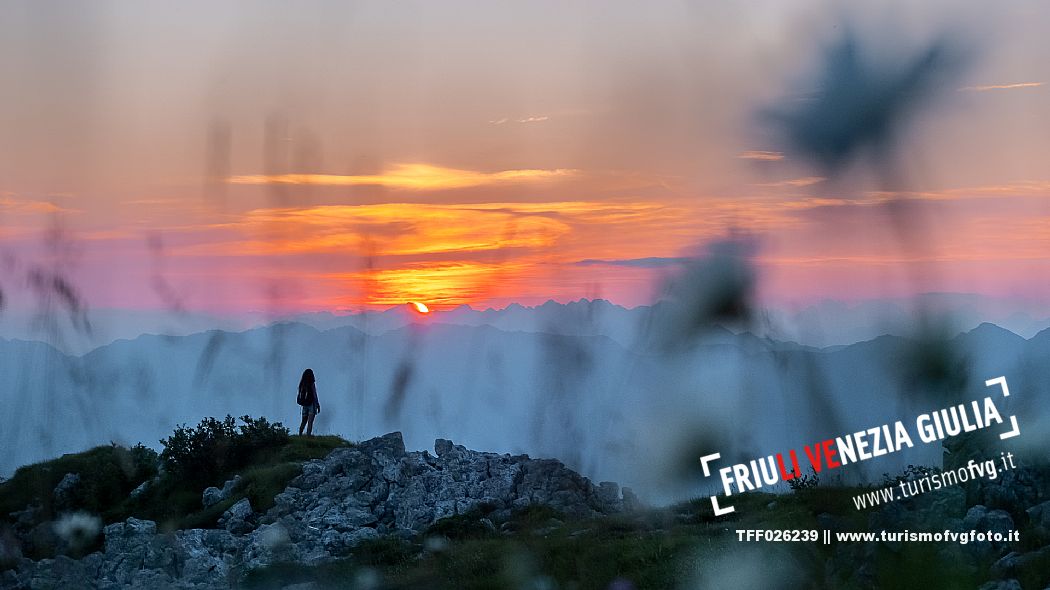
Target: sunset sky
point(335, 156)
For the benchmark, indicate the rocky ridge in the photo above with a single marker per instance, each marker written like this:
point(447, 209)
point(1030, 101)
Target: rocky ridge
point(373, 489)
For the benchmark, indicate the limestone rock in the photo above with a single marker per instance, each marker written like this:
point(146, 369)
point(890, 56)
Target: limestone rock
point(65, 490)
point(239, 518)
point(213, 495)
point(1039, 517)
point(357, 493)
point(141, 488)
point(981, 519)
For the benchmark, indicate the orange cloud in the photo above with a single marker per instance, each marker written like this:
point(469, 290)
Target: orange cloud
point(436, 285)
point(442, 254)
point(413, 229)
point(13, 204)
point(761, 155)
point(446, 254)
point(418, 177)
point(794, 182)
point(396, 229)
point(18, 215)
point(528, 119)
point(1001, 86)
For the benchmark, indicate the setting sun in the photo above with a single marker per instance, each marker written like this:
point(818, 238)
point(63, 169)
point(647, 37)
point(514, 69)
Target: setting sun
point(420, 307)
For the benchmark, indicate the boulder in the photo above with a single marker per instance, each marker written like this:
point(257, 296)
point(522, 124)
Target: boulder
point(1039, 518)
point(134, 545)
point(64, 492)
point(213, 495)
point(442, 447)
point(1023, 565)
point(141, 489)
point(980, 519)
point(239, 518)
point(10, 548)
point(206, 556)
point(1014, 491)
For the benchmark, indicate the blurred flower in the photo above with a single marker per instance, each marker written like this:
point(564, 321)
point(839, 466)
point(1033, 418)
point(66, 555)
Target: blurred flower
point(748, 569)
point(713, 289)
point(435, 544)
point(860, 98)
point(78, 529)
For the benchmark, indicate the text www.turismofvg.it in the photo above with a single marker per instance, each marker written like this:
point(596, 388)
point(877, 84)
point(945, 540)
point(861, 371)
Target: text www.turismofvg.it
point(989, 468)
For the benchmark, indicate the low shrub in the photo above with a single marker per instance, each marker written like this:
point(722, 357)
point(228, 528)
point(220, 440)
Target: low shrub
point(460, 526)
point(804, 482)
point(206, 454)
point(910, 473)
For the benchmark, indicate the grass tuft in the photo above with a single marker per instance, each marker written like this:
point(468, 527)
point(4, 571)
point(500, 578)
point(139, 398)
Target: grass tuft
point(108, 474)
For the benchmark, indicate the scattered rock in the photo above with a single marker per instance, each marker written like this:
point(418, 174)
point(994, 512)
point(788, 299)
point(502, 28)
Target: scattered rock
point(65, 491)
point(27, 517)
point(10, 550)
point(1039, 517)
point(946, 504)
point(231, 486)
point(213, 495)
point(630, 500)
point(442, 447)
point(141, 489)
point(981, 519)
point(206, 557)
point(354, 494)
point(239, 518)
point(1023, 565)
point(609, 492)
point(1014, 491)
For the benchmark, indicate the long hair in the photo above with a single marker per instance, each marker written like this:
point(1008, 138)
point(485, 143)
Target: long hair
point(306, 384)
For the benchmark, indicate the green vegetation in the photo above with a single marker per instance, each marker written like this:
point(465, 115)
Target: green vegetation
point(216, 448)
point(535, 547)
point(265, 470)
point(804, 482)
point(106, 473)
point(660, 548)
point(540, 547)
point(262, 453)
point(910, 473)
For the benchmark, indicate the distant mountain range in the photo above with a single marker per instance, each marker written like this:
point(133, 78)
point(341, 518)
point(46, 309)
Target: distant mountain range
point(827, 323)
point(575, 381)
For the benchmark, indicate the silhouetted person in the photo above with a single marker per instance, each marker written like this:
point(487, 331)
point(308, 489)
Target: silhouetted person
point(307, 398)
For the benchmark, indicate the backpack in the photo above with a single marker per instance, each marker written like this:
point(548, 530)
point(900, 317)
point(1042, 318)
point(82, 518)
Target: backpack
point(303, 398)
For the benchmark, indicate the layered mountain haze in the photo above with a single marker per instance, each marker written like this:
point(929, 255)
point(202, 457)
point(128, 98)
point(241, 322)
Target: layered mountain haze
point(822, 324)
point(583, 385)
